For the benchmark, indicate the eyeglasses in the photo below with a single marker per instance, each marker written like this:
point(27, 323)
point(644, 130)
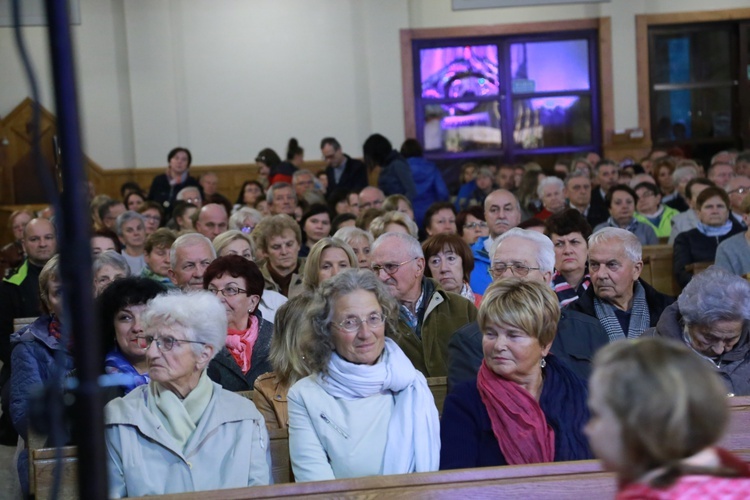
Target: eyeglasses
point(247, 229)
point(353, 323)
point(164, 344)
point(742, 190)
point(474, 225)
point(520, 270)
point(229, 291)
point(390, 269)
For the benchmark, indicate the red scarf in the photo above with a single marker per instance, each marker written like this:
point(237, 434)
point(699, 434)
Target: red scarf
point(241, 342)
point(518, 421)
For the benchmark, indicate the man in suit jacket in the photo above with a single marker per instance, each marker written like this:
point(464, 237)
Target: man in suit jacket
point(343, 172)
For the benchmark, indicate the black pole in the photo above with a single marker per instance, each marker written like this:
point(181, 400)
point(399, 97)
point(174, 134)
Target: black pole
point(75, 261)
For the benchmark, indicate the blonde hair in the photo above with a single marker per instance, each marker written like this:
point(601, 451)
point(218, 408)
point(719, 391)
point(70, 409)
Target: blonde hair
point(291, 330)
point(312, 264)
point(224, 239)
point(529, 306)
point(50, 272)
point(378, 224)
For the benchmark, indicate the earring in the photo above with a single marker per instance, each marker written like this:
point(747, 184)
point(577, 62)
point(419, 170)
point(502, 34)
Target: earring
point(543, 363)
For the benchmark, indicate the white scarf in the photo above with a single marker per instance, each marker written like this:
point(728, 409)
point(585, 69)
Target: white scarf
point(413, 442)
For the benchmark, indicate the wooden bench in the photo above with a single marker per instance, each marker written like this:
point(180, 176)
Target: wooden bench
point(439, 388)
point(19, 323)
point(657, 269)
point(698, 267)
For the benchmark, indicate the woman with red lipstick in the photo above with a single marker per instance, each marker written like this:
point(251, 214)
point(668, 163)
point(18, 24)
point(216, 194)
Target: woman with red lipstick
point(525, 406)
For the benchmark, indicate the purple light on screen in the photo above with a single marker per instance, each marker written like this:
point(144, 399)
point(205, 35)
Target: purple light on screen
point(459, 71)
point(550, 103)
point(552, 66)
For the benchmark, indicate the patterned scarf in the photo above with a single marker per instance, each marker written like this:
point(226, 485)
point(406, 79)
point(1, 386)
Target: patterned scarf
point(241, 342)
point(713, 231)
point(640, 319)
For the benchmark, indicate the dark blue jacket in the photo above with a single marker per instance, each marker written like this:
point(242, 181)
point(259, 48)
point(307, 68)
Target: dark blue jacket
point(395, 177)
point(429, 184)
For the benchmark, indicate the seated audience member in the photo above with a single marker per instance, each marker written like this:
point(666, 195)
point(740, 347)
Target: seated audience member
point(468, 173)
point(440, 218)
point(651, 211)
point(737, 189)
point(686, 171)
point(279, 237)
point(530, 256)
point(342, 221)
point(711, 316)
point(700, 244)
point(428, 315)
point(378, 414)
point(688, 220)
point(366, 217)
point(211, 220)
point(657, 414)
point(129, 187)
point(621, 201)
point(189, 257)
point(625, 305)
point(395, 174)
point(262, 206)
point(209, 182)
point(449, 262)
point(470, 224)
point(33, 356)
point(393, 222)
point(475, 191)
point(190, 194)
point(103, 240)
point(245, 219)
point(429, 183)
point(504, 177)
point(303, 182)
point(156, 255)
point(720, 172)
point(268, 162)
point(525, 405)
point(182, 217)
point(328, 257)
point(527, 190)
point(131, 230)
point(120, 308)
point(550, 192)
point(733, 254)
point(109, 211)
point(371, 197)
point(663, 169)
point(288, 359)
point(338, 202)
point(153, 216)
point(281, 199)
point(342, 171)
point(12, 254)
point(399, 203)
point(94, 206)
point(239, 285)
point(134, 200)
point(249, 194)
point(181, 413)
point(164, 187)
point(360, 242)
point(316, 225)
point(107, 267)
point(569, 232)
point(578, 192)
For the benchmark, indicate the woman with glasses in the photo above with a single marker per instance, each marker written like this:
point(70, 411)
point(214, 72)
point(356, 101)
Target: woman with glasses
point(450, 262)
point(651, 210)
point(181, 432)
point(470, 224)
point(238, 283)
point(365, 410)
point(525, 405)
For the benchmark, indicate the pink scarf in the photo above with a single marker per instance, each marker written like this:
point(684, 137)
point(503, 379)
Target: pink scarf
point(518, 421)
point(241, 342)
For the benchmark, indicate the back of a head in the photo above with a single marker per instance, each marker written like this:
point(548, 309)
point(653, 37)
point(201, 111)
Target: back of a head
point(411, 149)
point(376, 149)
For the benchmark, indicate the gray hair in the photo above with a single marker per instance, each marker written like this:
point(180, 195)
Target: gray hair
point(221, 241)
point(127, 217)
point(413, 248)
point(300, 173)
point(545, 257)
point(681, 173)
point(515, 198)
point(271, 190)
point(237, 220)
point(378, 224)
point(715, 295)
point(350, 233)
point(111, 258)
point(575, 175)
point(630, 242)
point(199, 313)
point(321, 311)
point(549, 181)
point(181, 192)
point(188, 240)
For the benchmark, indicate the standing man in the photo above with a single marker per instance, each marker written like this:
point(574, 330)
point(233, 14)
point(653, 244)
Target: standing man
point(606, 176)
point(342, 171)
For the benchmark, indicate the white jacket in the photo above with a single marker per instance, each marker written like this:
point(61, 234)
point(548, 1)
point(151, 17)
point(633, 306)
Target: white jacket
point(229, 448)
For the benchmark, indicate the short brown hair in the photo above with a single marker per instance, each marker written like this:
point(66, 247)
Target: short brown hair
point(272, 226)
point(710, 192)
point(162, 237)
point(435, 244)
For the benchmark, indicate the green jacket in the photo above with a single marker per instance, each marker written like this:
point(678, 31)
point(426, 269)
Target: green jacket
point(444, 313)
point(664, 228)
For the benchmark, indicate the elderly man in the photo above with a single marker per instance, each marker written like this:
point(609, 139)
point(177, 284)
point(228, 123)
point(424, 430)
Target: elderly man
point(606, 177)
point(428, 315)
point(550, 191)
point(371, 197)
point(738, 188)
point(720, 173)
point(686, 221)
point(528, 255)
point(504, 178)
point(281, 199)
point(190, 194)
point(189, 257)
point(303, 181)
point(578, 192)
point(212, 220)
point(342, 171)
point(625, 305)
point(502, 212)
point(210, 183)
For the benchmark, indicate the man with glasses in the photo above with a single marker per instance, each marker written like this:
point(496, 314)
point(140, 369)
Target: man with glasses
point(527, 255)
point(428, 315)
point(738, 188)
point(190, 194)
point(342, 171)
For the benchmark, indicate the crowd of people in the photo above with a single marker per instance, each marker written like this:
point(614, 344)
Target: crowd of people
point(335, 295)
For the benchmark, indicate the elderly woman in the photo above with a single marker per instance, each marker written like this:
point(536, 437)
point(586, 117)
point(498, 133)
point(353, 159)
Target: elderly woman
point(328, 257)
point(239, 285)
point(234, 242)
point(470, 224)
point(365, 410)
point(35, 347)
point(182, 432)
point(393, 222)
point(439, 218)
point(657, 413)
point(245, 219)
point(700, 244)
point(525, 406)
point(121, 306)
point(279, 238)
point(108, 267)
point(450, 262)
point(712, 316)
point(621, 201)
point(360, 241)
point(569, 231)
point(157, 256)
point(651, 210)
point(288, 359)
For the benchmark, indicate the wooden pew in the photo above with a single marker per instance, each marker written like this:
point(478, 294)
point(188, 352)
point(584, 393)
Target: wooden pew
point(698, 267)
point(737, 436)
point(439, 388)
point(19, 323)
point(657, 269)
